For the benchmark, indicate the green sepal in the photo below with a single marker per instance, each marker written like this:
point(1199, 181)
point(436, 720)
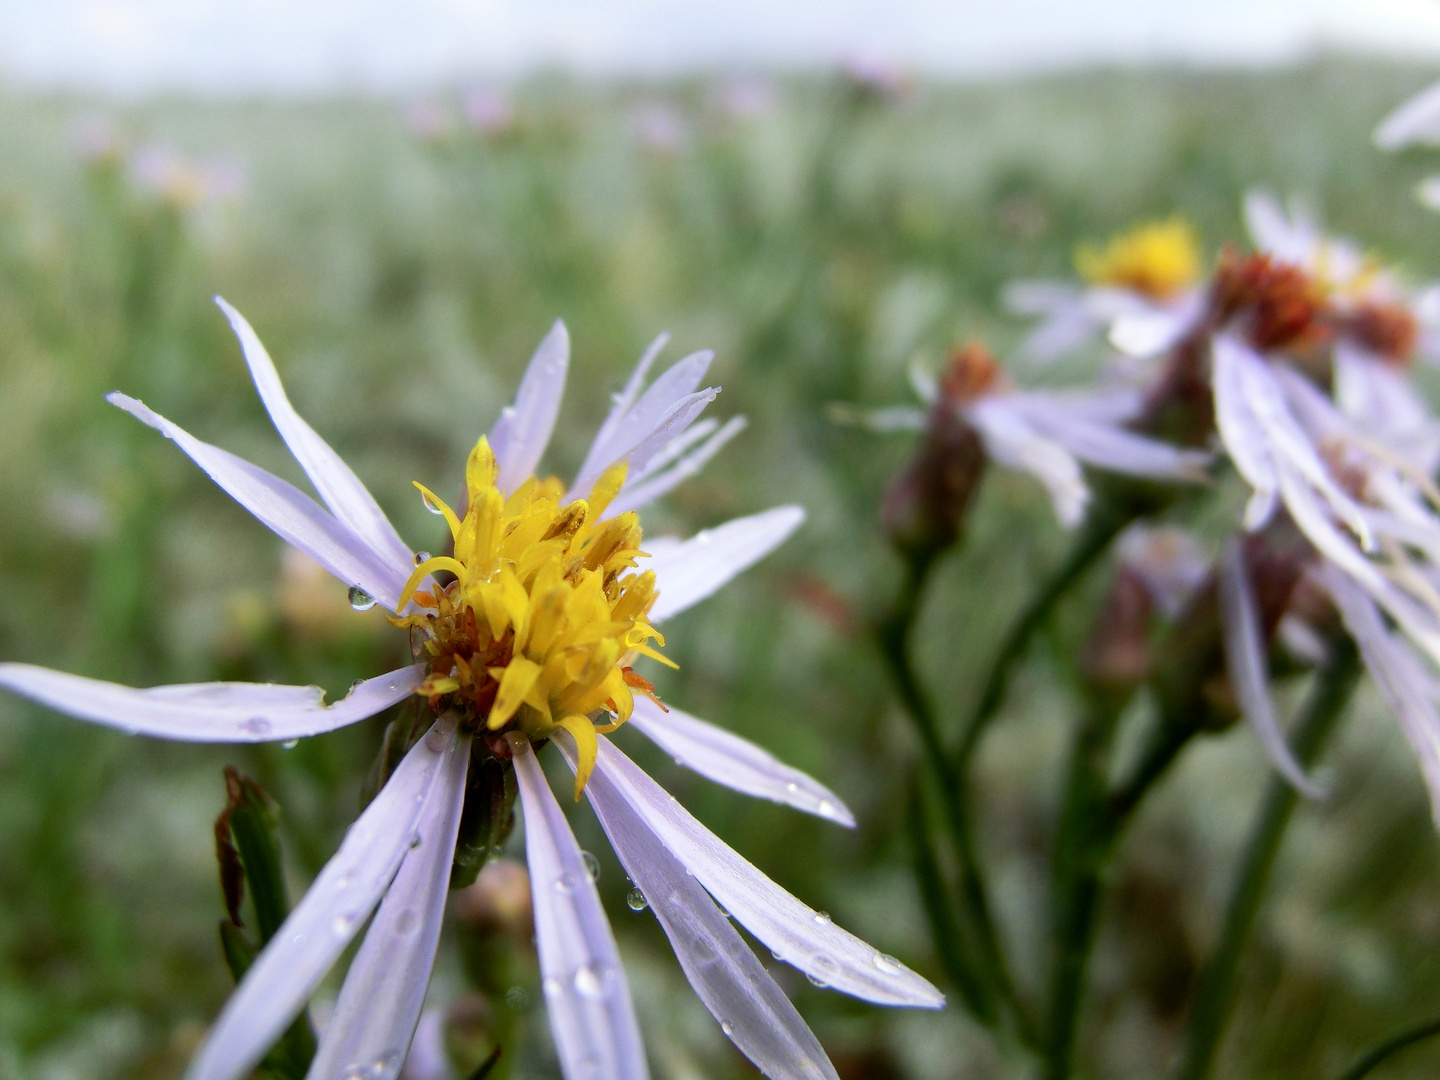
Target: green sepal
point(247, 848)
point(487, 818)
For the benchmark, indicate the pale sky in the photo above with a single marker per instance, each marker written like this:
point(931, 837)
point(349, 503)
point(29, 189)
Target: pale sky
point(242, 46)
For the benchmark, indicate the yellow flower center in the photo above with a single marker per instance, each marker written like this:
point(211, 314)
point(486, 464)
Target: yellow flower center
point(1159, 259)
point(545, 613)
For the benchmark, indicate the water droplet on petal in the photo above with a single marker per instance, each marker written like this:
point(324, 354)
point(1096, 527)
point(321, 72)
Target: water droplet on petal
point(416, 840)
point(588, 984)
point(436, 739)
point(826, 808)
point(636, 900)
point(298, 939)
point(552, 986)
point(343, 881)
point(360, 600)
point(822, 917)
point(793, 788)
point(422, 557)
point(822, 969)
point(356, 685)
point(429, 505)
point(592, 865)
point(407, 921)
point(703, 952)
point(728, 1028)
point(888, 964)
point(565, 884)
point(340, 925)
point(256, 725)
point(289, 744)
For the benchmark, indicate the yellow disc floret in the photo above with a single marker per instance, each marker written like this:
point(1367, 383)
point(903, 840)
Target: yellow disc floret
point(546, 611)
point(1159, 259)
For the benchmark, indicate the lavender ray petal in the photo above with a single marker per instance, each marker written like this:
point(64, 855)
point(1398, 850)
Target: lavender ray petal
point(616, 440)
point(1011, 440)
point(1247, 663)
point(1109, 447)
point(285, 510)
point(1240, 430)
point(1407, 688)
point(1415, 121)
point(380, 1001)
point(620, 404)
point(795, 933)
point(688, 572)
point(310, 941)
point(667, 429)
point(752, 1010)
point(588, 1000)
point(210, 712)
point(634, 496)
point(339, 487)
point(735, 762)
point(522, 433)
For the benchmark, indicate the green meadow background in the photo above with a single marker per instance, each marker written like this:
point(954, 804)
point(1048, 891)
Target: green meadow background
point(817, 234)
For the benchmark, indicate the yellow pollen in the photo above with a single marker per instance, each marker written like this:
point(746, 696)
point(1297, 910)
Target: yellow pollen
point(1158, 258)
point(546, 611)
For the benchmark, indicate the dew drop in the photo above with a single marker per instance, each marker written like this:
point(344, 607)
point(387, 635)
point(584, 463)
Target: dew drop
point(298, 939)
point(416, 840)
point(422, 557)
point(406, 922)
point(435, 740)
point(430, 505)
point(343, 881)
point(823, 917)
point(552, 987)
point(793, 788)
point(888, 964)
point(588, 984)
point(341, 924)
point(564, 884)
point(360, 600)
point(826, 808)
point(356, 685)
point(703, 953)
point(822, 970)
point(592, 865)
point(728, 1028)
point(636, 900)
point(256, 725)
point(289, 744)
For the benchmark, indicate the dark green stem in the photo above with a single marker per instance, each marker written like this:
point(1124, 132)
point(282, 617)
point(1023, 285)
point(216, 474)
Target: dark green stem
point(1376, 1056)
point(940, 908)
point(1101, 527)
point(1083, 845)
point(1214, 998)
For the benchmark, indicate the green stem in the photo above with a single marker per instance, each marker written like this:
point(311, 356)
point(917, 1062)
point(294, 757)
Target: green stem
point(1376, 1056)
point(1083, 845)
point(1101, 527)
point(939, 907)
point(1214, 998)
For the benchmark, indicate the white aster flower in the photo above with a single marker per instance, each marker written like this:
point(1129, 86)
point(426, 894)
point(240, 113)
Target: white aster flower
point(1141, 290)
point(532, 641)
point(1415, 123)
point(1052, 435)
point(1375, 312)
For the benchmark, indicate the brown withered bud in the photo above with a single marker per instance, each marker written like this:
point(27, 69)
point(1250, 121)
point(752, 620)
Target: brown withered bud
point(1116, 657)
point(1189, 672)
point(1276, 305)
point(924, 509)
point(1387, 330)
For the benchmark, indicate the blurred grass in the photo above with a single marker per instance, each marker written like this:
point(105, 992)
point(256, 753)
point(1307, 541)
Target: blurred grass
point(817, 239)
